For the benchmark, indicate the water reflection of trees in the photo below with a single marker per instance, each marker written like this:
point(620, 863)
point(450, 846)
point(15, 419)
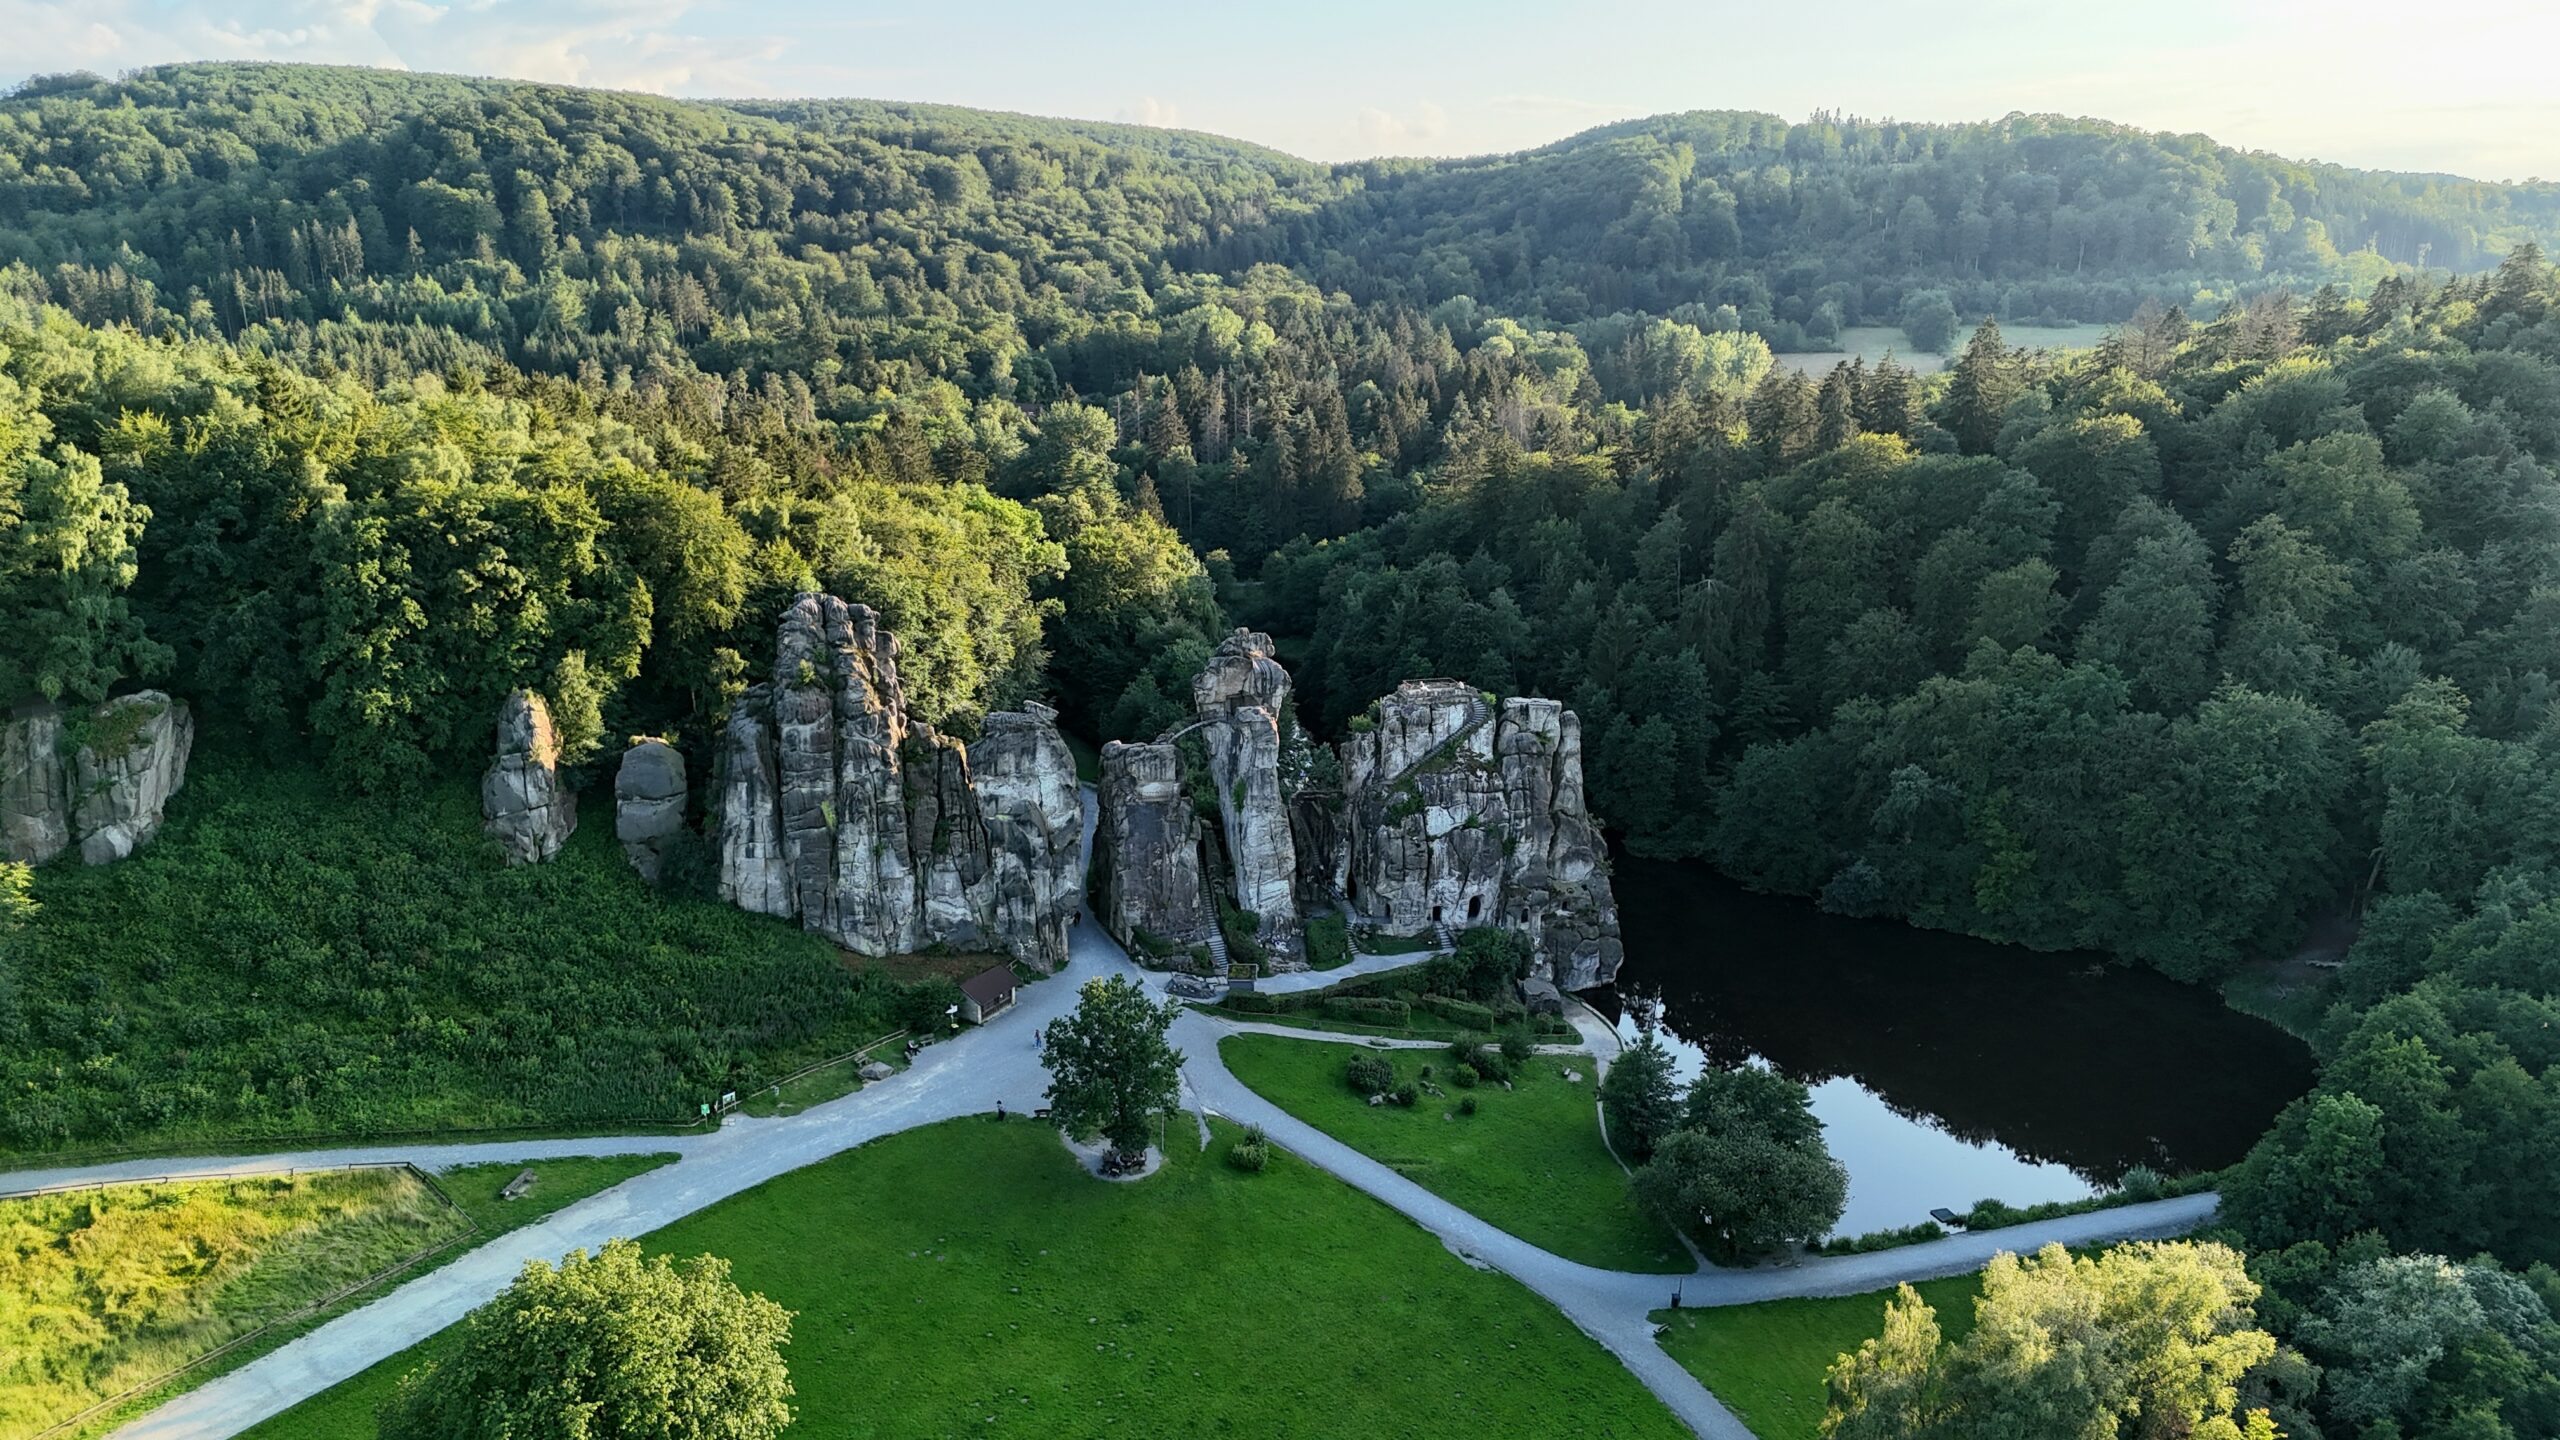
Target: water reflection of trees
point(2093, 1070)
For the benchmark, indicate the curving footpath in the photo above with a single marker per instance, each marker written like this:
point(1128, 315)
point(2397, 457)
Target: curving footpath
point(996, 1064)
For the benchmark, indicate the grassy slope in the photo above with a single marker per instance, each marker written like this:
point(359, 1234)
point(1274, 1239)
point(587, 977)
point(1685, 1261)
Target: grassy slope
point(1767, 1362)
point(970, 1278)
point(1530, 1159)
point(283, 962)
point(104, 1289)
point(473, 1189)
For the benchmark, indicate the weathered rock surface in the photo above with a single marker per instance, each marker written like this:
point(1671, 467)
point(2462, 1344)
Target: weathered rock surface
point(108, 794)
point(1024, 778)
point(523, 804)
point(874, 829)
point(648, 804)
point(1148, 848)
point(1240, 698)
point(1457, 811)
point(35, 788)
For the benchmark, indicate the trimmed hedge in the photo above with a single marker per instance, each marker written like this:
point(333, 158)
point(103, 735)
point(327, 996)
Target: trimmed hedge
point(1460, 1012)
point(1368, 1010)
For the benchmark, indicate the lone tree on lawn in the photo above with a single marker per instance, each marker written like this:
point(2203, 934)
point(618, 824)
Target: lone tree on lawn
point(1110, 1069)
point(607, 1347)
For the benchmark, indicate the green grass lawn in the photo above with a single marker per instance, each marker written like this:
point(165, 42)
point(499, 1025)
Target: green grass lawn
point(1530, 1159)
point(473, 1193)
point(281, 964)
point(971, 1279)
point(1767, 1362)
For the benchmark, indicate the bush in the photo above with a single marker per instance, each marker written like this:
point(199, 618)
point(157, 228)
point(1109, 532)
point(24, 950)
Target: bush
point(2142, 1183)
point(1490, 1062)
point(1407, 1094)
point(1328, 942)
point(1517, 1047)
point(1464, 1076)
point(1254, 1002)
point(1369, 1010)
point(1370, 1075)
point(1919, 1234)
point(1252, 1153)
point(1466, 1105)
point(1459, 1012)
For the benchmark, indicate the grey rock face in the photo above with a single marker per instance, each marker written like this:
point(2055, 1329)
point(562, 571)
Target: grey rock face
point(35, 788)
point(121, 786)
point(1464, 813)
point(107, 796)
point(1148, 844)
point(648, 804)
point(877, 830)
point(1024, 780)
point(1240, 698)
point(523, 805)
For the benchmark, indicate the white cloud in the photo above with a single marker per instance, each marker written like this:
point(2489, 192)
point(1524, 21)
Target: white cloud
point(1148, 110)
point(1384, 131)
point(662, 45)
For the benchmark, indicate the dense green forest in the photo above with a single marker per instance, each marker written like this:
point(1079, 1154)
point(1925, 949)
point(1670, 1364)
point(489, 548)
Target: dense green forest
point(341, 402)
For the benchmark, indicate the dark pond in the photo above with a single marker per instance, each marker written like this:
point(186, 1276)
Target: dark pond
point(1945, 1069)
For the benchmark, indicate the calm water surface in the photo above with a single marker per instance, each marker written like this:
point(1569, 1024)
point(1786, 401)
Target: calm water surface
point(1947, 1070)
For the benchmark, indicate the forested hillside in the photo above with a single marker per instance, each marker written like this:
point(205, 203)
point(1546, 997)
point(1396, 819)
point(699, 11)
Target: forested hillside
point(341, 402)
point(1796, 230)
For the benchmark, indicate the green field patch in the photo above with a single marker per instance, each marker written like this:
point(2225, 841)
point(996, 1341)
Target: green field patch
point(970, 1278)
point(105, 1289)
point(474, 1191)
point(1767, 1362)
point(1530, 1159)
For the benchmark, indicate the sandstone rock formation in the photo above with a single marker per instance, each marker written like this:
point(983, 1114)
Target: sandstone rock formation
point(1241, 699)
point(523, 805)
point(1147, 849)
point(876, 830)
point(648, 804)
point(1460, 812)
point(108, 794)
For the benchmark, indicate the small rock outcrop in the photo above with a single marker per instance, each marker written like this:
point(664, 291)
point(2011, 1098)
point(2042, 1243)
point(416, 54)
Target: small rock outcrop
point(523, 805)
point(875, 829)
point(1147, 851)
point(648, 804)
point(1459, 811)
point(107, 794)
point(1242, 699)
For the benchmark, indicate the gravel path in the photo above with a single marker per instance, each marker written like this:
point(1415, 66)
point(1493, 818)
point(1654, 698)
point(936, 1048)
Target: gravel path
point(972, 1074)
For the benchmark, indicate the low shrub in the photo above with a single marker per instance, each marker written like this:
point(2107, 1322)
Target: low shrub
point(1517, 1046)
point(1407, 1094)
point(1369, 1010)
point(1921, 1233)
point(1466, 1104)
point(2142, 1183)
point(1489, 1061)
point(1253, 1002)
point(1252, 1153)
point(1459, 1012)
point(1369, 1075)
point(1328, 942)
point(1464, 1076)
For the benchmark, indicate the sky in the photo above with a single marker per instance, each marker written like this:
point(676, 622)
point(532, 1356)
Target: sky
point(2470, 89)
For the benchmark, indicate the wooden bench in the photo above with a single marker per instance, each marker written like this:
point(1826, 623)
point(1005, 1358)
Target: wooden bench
point(517, 1188)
